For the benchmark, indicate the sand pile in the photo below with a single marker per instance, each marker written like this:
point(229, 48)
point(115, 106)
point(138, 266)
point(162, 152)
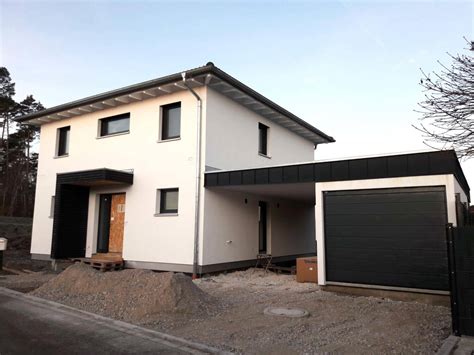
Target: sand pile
point(130, 295)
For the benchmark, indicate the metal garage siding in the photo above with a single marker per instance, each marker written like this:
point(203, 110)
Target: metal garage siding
point(389, 237)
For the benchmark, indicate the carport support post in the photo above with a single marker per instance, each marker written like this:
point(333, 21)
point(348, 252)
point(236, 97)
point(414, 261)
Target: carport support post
point(452, 279)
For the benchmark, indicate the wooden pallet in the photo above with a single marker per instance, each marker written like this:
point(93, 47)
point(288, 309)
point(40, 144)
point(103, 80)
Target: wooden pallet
point(101, 265)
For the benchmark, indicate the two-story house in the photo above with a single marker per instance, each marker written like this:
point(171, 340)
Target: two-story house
point(122, 172)
point(197, 172)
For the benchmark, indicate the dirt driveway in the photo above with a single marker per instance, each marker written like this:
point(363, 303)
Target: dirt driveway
point(337, 324)
point(340, 324)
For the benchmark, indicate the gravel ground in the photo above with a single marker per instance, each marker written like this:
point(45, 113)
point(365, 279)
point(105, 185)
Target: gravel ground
point(131, 295)
point(337, 323)
point(232, 316)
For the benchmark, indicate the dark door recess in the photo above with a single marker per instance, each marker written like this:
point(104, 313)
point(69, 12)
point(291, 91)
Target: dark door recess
point(387, 237)
point(70, 221)
point(262, 227)
point(104, 223)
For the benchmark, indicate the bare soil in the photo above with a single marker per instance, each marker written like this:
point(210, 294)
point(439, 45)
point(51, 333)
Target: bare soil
point(337, 323)
point(20, 273)
point(17, 256)
point(226, 311)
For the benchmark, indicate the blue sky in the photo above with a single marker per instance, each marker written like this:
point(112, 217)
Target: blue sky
point(350, 68)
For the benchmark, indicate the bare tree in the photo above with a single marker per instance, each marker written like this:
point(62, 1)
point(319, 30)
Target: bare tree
point(447, 120)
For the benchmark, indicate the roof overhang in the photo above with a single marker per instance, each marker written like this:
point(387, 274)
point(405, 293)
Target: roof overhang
point(208, 75)
point(96, 177)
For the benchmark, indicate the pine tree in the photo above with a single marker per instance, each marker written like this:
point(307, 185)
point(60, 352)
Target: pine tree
point(18, 164)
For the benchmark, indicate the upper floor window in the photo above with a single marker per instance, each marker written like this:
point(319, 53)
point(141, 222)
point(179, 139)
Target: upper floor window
point(171, 121)
point(262, 139)
point(114, 124)
point(63, 141)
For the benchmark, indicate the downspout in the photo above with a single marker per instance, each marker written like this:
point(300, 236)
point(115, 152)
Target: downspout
point(197, 206)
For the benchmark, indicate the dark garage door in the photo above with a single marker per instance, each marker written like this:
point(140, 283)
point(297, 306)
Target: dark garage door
point(389, 237)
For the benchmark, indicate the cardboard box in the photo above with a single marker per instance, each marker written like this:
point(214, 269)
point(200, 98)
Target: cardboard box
point(307, 269)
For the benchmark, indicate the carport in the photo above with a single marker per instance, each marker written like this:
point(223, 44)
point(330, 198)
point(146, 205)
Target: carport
point(380, 221)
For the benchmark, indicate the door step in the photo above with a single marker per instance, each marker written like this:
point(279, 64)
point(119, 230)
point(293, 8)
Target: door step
point(107, 256)
point(101, 264)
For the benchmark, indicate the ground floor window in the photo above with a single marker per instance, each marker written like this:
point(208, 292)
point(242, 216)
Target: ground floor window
point(51, 207)
point(167, 201)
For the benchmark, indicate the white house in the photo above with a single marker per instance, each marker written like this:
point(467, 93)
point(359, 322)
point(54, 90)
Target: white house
point(197, 172)
point(158, 138)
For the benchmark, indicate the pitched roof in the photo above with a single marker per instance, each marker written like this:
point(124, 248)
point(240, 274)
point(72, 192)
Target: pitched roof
point(209, 75)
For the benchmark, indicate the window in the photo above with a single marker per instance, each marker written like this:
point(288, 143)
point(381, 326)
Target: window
point(51, 208)
point(262, 139)
point(170, 121)
point(115, 124)
point(167, 201)
point(63, 141)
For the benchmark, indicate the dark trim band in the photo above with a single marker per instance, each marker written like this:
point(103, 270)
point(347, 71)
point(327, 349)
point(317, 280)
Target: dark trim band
point(414, 164)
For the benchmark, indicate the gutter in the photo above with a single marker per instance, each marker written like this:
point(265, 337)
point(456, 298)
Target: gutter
point(197, 206)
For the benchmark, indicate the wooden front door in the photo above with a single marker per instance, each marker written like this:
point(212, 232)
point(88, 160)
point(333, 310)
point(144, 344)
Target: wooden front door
point(117, 220)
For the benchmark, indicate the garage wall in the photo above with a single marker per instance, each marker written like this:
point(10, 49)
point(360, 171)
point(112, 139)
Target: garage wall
point(448, 181)
point(227, 217)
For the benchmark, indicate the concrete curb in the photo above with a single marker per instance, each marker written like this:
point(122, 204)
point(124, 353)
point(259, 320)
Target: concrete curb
point(449, 345)
point(135, 330)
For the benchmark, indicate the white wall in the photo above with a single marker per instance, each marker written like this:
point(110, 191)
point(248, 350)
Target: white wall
point(448, 181)
point(290, 227)
point(231, 142)
point(458, 189)
point(232, 138)
point(155, 165)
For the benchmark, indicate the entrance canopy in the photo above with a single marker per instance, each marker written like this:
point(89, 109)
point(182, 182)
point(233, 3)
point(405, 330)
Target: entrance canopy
point(71, 207)
point(96, 177)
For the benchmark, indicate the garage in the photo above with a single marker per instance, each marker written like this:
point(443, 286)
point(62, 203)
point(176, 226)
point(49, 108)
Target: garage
point(387, 237)
point(379, 222)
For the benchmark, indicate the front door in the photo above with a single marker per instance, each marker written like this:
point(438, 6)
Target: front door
point(262, 227)
point(117, 220)
point(111, 223)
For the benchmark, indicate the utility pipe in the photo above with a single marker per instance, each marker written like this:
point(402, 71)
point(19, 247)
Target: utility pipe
point(197, 206)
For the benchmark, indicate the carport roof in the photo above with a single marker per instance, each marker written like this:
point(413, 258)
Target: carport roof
point(413, 164)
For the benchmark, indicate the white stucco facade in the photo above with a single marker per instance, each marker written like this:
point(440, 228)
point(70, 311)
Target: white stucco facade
point(230, 225)
point(155, 165)
point(229, 140)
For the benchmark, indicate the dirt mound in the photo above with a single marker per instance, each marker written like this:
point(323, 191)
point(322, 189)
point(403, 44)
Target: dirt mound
point(131, 295)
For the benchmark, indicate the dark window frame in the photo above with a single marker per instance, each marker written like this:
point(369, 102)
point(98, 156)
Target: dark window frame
point(102, 129)
point(263, 139)
point(63, 141)
point(163, 209)
point(165, 123)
